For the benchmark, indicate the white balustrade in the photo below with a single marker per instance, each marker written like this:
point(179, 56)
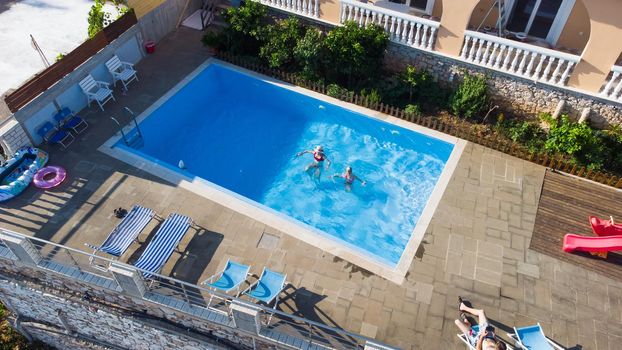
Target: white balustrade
point(613, 88)
point(402, 28)
point(517, 58)
point(309, 8)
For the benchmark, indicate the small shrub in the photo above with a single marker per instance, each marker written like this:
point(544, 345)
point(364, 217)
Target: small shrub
point(526, 133)
point(373, 96)
point(336, 91)
point(471, 97)
point(568, 137)
point(59, 57)
point(216, 40)
point(279, 41)
point(413, 110)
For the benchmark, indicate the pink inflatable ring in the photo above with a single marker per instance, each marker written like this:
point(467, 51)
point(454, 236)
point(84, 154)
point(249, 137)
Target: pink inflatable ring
point(49, 176)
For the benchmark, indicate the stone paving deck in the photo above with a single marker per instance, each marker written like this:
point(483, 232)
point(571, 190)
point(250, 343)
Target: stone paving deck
point(476, 245)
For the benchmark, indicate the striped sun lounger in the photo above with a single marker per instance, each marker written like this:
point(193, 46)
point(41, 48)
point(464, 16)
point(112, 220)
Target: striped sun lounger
point(164, 242)
point(126, 231)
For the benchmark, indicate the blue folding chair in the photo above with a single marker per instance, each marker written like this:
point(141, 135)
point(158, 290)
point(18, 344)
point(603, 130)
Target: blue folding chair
point(53, 135)
point(66, 119)
point(229, 279)
point(163, 244)
point(533, 338)
point(267, 288)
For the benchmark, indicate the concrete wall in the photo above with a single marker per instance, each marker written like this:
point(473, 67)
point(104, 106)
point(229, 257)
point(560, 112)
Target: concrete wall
point(163, 19)
point(519, 96)
point(67, 92)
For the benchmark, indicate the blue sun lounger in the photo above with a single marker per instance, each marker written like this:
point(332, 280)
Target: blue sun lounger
point(475, 329)
point(52, 135)
point(164, 242)
point(230, 278)
point(267, 288)
point(66, 119)
point(533, 338)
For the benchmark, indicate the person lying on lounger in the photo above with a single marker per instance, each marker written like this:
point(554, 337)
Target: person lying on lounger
point(484, 338)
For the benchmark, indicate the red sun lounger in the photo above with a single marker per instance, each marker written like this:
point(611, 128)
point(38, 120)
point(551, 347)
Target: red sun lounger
point(594, 245)
point(604, 227)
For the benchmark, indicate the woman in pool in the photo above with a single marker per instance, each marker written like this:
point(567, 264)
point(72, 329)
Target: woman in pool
point(349, 178)
point(318, 159)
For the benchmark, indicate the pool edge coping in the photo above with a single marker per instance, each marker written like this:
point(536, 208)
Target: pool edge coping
point(279, 221)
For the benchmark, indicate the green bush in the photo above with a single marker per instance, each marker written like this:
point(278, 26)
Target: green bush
point(424, 90)
point(246, 28)
point(413, 110)
point(527, 133)
point(471, 97)
point(216, 40)
point(578, 140)
point(336, 91)
point(372, 95)
point(309, 53)
point(96, 18)
point(354, 54)
point(280, 38)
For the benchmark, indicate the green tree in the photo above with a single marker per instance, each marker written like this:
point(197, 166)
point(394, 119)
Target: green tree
point(280, 38)
point(96, 18)
point(310, 54)
point(246, 28)
point(354, 54)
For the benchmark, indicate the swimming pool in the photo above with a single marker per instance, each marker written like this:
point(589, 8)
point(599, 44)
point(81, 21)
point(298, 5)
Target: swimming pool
point(242, 133)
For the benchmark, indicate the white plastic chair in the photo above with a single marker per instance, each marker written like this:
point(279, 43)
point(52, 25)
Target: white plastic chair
point(98, 91)
point(121, 71)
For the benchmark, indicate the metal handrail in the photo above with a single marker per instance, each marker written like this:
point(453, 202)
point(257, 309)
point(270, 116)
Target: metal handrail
point(172, 283)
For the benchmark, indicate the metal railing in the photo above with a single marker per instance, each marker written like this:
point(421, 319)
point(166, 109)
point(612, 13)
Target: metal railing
point(276, 324)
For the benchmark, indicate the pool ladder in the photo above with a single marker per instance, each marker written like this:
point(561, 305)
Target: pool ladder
point(134, 138)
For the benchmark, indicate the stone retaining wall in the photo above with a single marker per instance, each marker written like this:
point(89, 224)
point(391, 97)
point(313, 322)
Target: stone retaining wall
point(13, 137)
point(517, 96)
point(106, 316)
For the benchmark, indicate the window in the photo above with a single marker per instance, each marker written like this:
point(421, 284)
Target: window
point(542, 19)
point(421, 5)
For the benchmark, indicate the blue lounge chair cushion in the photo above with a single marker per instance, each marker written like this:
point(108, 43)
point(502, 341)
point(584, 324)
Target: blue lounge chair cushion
point(163, 244)
point(232, 276)
point(269, 286)
point(62, 114)
point(45, 130)
point(532, 337)
point(58, 136)
point(127, 230)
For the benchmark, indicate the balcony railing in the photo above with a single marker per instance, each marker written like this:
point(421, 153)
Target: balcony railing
point(517, 58)
point(309, 8)
point(613, 88)
point(403, 28)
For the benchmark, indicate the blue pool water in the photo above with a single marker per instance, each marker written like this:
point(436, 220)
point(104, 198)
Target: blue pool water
point(242, 133)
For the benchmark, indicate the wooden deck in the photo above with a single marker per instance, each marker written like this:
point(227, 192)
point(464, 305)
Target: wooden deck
point(565, 204)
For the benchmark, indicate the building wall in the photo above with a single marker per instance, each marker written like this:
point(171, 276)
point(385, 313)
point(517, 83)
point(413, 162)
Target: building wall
point(142, 7)
point(576, 32)
point(479, 13)
point(518, 96)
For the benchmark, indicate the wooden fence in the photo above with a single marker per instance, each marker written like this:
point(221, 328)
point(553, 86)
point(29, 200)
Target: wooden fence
point(457, 127)
point(49, 76)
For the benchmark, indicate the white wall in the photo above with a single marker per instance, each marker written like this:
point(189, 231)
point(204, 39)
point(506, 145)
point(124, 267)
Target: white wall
point(67, 92)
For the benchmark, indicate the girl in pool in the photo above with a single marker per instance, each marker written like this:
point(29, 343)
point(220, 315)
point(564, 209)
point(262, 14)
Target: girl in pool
point(318, 159)
point(349, 178)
